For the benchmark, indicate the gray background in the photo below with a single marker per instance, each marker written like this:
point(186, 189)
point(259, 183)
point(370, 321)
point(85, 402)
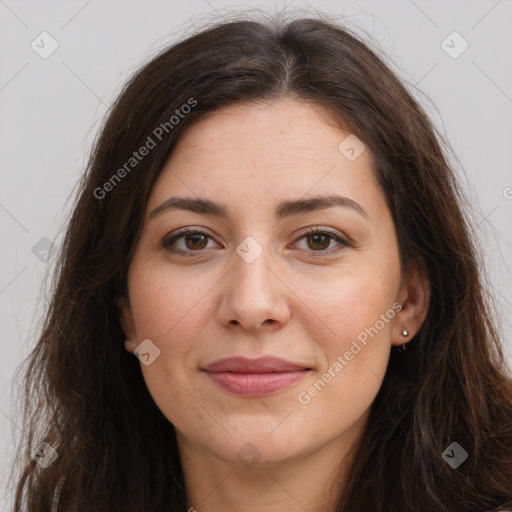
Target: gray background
point(52, 107)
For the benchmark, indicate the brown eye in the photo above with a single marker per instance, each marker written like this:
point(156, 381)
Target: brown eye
point(196, 241)
point(187, 241)
point(319, 240)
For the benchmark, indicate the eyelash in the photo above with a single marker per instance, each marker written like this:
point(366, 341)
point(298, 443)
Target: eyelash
point(168, 242)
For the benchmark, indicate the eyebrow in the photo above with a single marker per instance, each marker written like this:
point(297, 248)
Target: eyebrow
point(283, 209)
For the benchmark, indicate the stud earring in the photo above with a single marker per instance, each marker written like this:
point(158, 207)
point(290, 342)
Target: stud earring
point(405, 333)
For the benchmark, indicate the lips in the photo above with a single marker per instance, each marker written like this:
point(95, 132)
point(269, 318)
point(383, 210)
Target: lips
point(245, 365)
point(254, 377)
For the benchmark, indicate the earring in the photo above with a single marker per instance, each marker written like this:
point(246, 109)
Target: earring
point(405, 333)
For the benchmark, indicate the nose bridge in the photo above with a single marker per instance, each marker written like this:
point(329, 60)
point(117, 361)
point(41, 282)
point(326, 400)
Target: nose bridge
point(251, 278)
point(250, 269)
point(253, 294)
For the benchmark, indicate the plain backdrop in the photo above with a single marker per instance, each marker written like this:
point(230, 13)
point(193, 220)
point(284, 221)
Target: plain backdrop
point(52, 106)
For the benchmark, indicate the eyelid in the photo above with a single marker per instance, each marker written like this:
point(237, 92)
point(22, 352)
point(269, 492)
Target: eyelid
point(168, 239)
point(342, 240)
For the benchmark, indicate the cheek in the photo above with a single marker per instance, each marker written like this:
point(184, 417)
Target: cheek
point(167, 304)
point(357, 316)
point(170, 310)
point(353, 304)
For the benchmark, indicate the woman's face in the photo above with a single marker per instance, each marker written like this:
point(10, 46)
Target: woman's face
point(253, 284)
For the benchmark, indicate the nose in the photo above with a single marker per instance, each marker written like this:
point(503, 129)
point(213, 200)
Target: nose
point(254, 296)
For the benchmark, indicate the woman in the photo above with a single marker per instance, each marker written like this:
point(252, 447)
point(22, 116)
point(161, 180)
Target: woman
point(268, 298)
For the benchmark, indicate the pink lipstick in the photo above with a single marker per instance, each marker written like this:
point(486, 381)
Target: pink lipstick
point(254, 377)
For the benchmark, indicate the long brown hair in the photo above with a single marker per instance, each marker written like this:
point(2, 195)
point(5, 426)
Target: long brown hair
point(85, 394)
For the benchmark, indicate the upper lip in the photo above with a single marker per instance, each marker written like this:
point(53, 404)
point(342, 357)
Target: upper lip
point(261, 365)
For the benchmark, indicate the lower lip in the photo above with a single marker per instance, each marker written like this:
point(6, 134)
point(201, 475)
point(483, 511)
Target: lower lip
point(255, 384)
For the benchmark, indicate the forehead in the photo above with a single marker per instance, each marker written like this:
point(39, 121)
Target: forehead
point(273, 151)
point(286, 129)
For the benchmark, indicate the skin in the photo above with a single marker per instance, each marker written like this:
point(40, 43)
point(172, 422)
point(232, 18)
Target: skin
point(303, 299)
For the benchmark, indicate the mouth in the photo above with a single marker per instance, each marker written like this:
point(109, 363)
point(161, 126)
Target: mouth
point(254, 377)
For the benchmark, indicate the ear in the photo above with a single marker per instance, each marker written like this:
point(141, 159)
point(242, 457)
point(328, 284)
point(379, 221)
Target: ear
point(127, 323)
point(415, 299)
